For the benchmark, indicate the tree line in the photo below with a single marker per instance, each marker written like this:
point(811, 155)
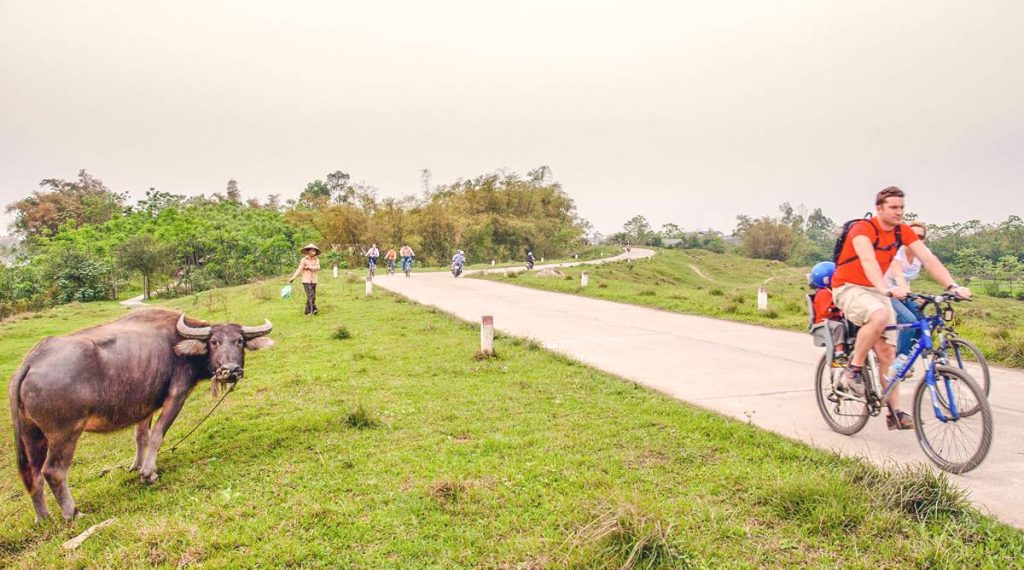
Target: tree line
point(989, 255)
point(82, 241)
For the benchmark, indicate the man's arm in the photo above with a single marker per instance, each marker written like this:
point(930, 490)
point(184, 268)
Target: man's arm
point(866, 254)
point(936, 269)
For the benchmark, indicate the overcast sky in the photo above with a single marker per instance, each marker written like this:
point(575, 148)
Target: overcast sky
point(686, 112)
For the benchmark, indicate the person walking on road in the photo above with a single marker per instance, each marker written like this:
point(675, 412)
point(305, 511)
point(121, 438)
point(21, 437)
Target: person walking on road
point(308, 268)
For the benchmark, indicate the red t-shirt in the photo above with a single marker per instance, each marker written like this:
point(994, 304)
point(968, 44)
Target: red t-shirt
point(885, 250)
point(823, 306)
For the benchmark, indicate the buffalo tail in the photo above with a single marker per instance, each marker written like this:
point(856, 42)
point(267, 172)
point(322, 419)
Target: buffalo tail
point(14, 395)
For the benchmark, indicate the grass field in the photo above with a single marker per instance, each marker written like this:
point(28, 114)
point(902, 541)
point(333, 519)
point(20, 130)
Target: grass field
point(371, 437)
point(725, 286)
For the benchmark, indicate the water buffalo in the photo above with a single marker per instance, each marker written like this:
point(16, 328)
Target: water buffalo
point(109, 377)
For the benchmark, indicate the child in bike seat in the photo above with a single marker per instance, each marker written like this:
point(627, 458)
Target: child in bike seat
point(824, 309)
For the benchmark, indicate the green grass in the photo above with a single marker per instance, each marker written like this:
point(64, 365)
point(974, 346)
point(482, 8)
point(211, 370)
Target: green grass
point(394, 447)
point(726, 288)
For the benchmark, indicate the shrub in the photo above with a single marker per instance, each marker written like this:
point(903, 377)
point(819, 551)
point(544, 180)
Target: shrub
point(626, 537)
point(341, 332)
point(361, 418)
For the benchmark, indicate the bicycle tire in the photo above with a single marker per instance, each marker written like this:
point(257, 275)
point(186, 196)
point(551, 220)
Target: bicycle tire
point(960, 348)
point(940, 440)
point(842, 415)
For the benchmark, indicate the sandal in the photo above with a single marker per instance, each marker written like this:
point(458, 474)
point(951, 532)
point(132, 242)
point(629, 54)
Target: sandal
point(901, 420)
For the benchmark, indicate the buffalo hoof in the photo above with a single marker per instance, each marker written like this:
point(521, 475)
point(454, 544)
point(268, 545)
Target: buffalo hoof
point(75, 515)
point(149, 477)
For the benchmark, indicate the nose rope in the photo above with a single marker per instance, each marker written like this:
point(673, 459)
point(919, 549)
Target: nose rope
point(231, 388)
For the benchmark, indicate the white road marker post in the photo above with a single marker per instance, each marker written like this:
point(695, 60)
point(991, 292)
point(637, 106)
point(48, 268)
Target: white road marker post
point(369, 285)
point(335, 271)
point(492, 263)
point(487, 335)
point(584, 279)
point(762, 298)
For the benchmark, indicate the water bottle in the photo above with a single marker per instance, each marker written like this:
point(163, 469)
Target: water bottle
point(898, 366)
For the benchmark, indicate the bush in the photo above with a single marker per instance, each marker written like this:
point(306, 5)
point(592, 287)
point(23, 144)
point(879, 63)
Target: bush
point(361, 418)
point(75, 275)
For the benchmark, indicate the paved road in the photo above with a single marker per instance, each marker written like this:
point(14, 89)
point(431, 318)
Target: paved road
point(747, 372)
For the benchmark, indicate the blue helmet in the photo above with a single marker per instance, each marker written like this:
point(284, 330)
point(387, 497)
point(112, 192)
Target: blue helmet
point(821, 274)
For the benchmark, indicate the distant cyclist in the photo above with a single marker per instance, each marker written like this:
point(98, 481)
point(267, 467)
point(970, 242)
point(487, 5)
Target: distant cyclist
point(530, 260)
point(372, 255)
point(390, 258)
point(863, 295)
point(407, 254)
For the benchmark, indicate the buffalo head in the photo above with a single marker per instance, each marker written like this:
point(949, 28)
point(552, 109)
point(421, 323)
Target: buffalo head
point(225, 344)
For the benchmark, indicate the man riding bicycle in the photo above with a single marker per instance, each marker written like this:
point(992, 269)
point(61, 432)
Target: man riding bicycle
point(372, 255)
point(407, 254)
point(861, 292)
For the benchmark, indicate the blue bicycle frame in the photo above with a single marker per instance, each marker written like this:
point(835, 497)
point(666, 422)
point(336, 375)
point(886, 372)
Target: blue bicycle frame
point(924, 345)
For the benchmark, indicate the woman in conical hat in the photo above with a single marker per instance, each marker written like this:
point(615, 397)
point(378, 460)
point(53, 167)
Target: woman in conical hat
point(308, 268)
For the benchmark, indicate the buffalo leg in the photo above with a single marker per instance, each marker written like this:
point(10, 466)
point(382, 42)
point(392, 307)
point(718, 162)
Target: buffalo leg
point(141, 440)
point(55, 469)
point(156, 436)
point(35, 448)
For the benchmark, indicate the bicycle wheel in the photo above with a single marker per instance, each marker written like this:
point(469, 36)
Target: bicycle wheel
point(842, 414)
point(966, 356)
point(957, 445)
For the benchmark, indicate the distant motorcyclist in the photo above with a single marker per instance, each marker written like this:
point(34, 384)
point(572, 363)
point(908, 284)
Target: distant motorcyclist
point(530, 260)
point(458, 263)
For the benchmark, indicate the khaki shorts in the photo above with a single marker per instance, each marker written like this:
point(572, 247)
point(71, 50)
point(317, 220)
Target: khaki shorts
point(858, 303)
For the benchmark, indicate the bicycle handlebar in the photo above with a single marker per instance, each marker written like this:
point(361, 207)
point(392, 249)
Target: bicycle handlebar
point(938, 299)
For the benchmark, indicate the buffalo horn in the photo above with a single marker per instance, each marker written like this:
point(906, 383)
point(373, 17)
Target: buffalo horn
point(253, 332)
point(195, 333)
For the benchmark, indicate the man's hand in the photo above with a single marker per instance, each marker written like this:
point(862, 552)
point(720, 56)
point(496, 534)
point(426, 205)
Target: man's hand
point(899, 292)
point(963, 292)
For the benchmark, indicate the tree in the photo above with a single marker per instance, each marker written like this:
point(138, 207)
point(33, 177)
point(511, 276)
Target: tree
point(75, 275)
point(315, 195)
point(637, 229)
point(339, 188)
point(232, 191)
point(767, 238)
point(670, 231)
point(144, 254)
point(82, 201)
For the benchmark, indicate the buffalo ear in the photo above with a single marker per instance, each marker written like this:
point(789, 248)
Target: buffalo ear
point(190, 347)
point(259, 342)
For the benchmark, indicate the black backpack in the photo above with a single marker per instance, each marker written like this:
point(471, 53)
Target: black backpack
point(846, 229)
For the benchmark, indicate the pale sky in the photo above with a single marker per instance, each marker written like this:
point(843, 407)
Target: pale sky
point(685, 112)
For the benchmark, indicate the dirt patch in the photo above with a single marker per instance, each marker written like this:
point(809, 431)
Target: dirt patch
point(550, 272)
